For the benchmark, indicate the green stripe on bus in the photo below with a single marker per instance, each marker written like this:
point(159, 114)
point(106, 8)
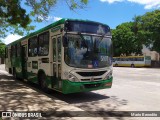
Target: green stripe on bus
point(73, 87)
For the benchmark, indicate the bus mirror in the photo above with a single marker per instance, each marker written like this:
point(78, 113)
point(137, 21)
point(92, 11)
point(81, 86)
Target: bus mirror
point(65, 41)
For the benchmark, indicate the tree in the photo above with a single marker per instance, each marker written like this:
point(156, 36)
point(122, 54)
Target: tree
point(2, 49)
point(151, 25)
point(124, 40)
point(130, 36)
point(15, 19)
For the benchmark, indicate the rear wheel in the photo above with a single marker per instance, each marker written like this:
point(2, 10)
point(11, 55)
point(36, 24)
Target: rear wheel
point(132, 65)
point(14, 73)
point(10, 70)
point(42, 81)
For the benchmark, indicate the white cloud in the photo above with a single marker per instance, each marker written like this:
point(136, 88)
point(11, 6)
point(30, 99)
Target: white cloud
point(49, 18)
point(10, 38)
point(148, 4)
point(56, 18)
point(111, 1)
point(46, 19)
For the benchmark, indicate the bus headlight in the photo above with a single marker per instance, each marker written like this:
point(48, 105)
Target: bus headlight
point(72, 78)
point(108, 76)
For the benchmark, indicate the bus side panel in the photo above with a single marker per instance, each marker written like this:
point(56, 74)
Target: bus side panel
point(18, 67)
point(8, 61)
point(32, 77)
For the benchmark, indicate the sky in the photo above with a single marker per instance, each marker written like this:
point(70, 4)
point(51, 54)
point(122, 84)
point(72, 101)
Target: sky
point(110, 12)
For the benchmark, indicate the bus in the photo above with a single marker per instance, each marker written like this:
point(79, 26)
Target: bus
point(132, 61)
point(67, 56)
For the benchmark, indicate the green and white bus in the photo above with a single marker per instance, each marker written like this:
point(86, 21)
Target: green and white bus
point(68, 56)
point(132, 61)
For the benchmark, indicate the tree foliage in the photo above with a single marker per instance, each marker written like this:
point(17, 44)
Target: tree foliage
point(125, 40)
point(15, 19)
point(149, 25)
point(2, 49)
point(130, 36)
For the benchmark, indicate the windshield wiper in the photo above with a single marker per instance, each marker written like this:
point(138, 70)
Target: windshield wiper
point(103, 37)
point(84, 42)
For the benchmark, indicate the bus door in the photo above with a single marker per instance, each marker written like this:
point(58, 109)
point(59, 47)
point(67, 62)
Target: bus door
point(24, 61)
point(57, 44)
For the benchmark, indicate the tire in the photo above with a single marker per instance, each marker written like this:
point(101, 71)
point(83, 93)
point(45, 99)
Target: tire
point(10, 71)
point(43, 84)
point(116, 65)
point(132, 66)
point(14, 73)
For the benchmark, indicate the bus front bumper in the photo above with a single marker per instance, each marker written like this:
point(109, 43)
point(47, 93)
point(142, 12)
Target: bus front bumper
point(73, 87)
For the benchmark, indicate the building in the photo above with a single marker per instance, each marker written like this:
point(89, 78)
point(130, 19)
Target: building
point(155, 56)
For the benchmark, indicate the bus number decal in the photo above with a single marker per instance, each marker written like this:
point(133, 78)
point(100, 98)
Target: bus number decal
point(104, 58)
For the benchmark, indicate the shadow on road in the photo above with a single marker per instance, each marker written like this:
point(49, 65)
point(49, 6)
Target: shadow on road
point(8, 77)
point(15, 96)
point(79, 97)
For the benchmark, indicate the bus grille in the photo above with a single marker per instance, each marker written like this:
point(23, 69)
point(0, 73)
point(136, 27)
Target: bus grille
point(92, 85)
point(95, 79)
point(85, 74)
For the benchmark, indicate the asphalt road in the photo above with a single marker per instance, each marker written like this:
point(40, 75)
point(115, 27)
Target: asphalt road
point(134, 89)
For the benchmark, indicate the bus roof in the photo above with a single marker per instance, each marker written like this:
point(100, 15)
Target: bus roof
point(59, 22)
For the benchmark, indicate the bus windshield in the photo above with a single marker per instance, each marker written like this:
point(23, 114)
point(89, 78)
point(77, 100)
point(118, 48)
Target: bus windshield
point(87, 51)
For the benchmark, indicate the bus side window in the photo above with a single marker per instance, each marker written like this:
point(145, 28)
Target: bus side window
point(59, 48)
point(54, 70)
point(9, 54)
point(113, 59)
point(54, 50)
point(13, 51)
point(43, 40)
point(18, 50)
point(32, 46)
point(142, 59)
point(129, 59)
point(6, 52)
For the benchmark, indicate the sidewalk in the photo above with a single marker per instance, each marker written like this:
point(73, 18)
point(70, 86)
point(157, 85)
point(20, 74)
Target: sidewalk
point(2, 66)
point(16, 95)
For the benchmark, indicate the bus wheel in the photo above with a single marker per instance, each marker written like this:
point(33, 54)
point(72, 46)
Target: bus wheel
point(116, 65)
point(43, 84)
point(10, 71)
point(14, 73)
point(132, 65)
